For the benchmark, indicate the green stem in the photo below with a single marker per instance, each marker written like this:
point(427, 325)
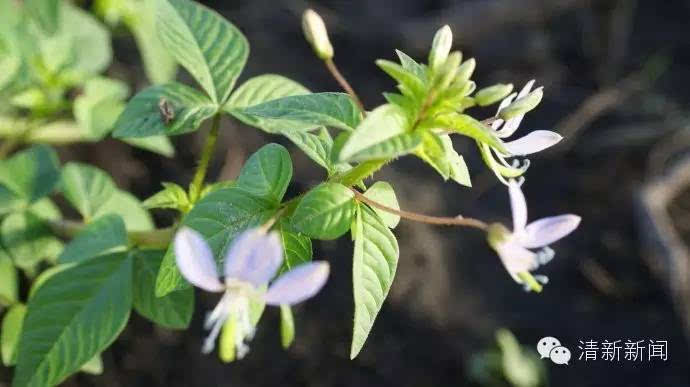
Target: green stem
point(197, 184)
point(359, 172)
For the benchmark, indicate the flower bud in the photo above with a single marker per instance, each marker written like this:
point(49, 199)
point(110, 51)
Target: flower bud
point(497, 234)
point(492, 94)
point(466, 69)
point(522, 105)
point(316, 34)
point(440, 47)
point(447, 72)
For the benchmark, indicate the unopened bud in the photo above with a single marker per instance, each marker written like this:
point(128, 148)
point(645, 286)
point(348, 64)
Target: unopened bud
point(440, 47)
point(466, 69)
point(316, 34)
point(447, 72)
point(492, 94)
point(522, 105)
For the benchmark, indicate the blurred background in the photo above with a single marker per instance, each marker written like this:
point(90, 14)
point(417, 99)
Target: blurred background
point(616, 76)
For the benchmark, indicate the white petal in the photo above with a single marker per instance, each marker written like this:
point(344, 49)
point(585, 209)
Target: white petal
point(254, 257)
point(298, 284)
point(506, 101)
point(532, 143)
point(195, 260)
point(545, 231)
point(526, 89)
point(516, 259)
point(510, 126)
point(518, 205)
point(496, 124)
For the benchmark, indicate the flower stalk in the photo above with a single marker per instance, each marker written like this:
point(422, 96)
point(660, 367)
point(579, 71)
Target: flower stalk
point(197, 184)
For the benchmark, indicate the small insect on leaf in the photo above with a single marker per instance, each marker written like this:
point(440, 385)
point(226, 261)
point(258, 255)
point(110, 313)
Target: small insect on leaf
point(167, 111)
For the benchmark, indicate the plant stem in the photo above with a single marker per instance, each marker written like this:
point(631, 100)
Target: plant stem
point(196, 186)
point(360, 172)
point(157, 238)
point(343, 82)
point(438, 220)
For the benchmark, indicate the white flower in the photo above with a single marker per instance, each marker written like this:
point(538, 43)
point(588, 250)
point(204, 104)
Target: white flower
point(251, 261)
point(513, 248)
point(533, 142)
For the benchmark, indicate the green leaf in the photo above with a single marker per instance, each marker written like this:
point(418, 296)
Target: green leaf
point(159, 66)
point(173, 311)
point(287, 326)
point(58, 133)
point(373, 269)
point(28, 239)
point(320, 109)
point(433, 153)
point(88, 39)
point(93, 366)
point(392, 147)
point(8, 280)
point(468, 126)
point(172, 196)
point(458, 169)
point(264, 88)
point(219, 217)
point(408, 82)
point(45, 13)
point(98, 107)
point(267, 173)
point(11, 332)
point(325, 212)
point(204, 43)
point(411, 65)
point(76, 314)
point(156, 144)
point(32, 173)
point(297, 248)
point(383, 123)
point(101, 236)
point(317, 146)
point(87, 188)
point(129, 208)
point(382, 192)
point(9, 201)
point(142, 116)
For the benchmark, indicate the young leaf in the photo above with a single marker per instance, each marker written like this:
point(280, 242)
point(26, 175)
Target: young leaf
point(172, 196)
point(75, 315)
point(325, 212)
point(204, 43)
point(102, 235)
point(11, 332)
point(8, 280)
point(408, 82)
point(219, 217)
point(392, 147)
point(142, 117)
point(382, 192)
point(287, 326)
point(319, 109)
point(159, 66)
point(174, 311)
point(434, 154)
point(468, 126)
point(91, 51)
point(458, 169)
point(32, 173)
point(267, 173)
point(381, 124)
point(297, 248)
point(87, 188)
point(373, 269)
point(411, 65)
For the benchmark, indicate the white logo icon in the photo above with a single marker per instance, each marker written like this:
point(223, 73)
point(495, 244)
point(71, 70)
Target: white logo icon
point(550, 347)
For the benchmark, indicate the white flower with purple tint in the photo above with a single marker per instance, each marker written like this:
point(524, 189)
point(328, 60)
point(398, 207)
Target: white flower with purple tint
point(514, 248)
point(251, 261)
point(531, 143)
